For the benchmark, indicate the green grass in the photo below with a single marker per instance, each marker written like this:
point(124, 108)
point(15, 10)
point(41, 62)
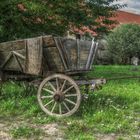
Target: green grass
point(113, 109)
point(110, 71)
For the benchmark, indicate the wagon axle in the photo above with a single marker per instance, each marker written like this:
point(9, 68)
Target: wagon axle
point(59, 97)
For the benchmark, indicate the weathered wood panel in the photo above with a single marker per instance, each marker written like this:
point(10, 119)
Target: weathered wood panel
point(52, 59)
point(58, 56)
point(93, 55)
point(13, 45)
point(62, 52)
point(12, 64)
point(70, 46)
point(77, 52)
point(34, 56)
point(84, 53)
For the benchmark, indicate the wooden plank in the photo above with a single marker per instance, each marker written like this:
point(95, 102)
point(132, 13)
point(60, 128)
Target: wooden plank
point(19, 55)
point(48, 41)
point(34, 56)
point(71, 49)
point(78, 54)
point(19, 64)
point(57, 41)
point(6, 60)
point(91, 81)
point(13, 45)
point(4, 56)
point(52, 58)
point(12, 63)
point(73, 57)
point(84, 53)
point(94, 54)
point(90, 54)
point(65, 54)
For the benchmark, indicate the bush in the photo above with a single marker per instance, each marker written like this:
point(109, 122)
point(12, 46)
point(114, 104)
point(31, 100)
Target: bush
point(124, 43)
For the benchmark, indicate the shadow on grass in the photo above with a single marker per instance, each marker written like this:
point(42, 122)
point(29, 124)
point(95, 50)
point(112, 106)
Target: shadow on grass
point(97, 102)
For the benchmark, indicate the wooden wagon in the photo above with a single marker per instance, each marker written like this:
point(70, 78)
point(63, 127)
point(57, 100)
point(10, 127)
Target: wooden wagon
point(53, 59)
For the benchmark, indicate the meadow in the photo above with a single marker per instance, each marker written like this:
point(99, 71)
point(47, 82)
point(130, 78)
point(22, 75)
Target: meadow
point(110, 112)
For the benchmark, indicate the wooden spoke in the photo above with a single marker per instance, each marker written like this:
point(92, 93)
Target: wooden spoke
point(57, 84)
point(66, 106)
point(63, 85)
point(52, 86)
point(70, 95)
point(45, 97)
point(68, 89)
point(49, 102)
point(60, 109)
point(48, 90)
point(53, 107)
point(70, 101)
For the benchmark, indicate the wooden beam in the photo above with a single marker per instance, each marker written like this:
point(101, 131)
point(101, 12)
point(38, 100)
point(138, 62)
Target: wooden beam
point(64, 54)
point(7, 60)
point(94, 54)
point(18, 62)
point(90, 82)
point(78, 54)
point(19, 55)
point(90, 54)
point(60, 52)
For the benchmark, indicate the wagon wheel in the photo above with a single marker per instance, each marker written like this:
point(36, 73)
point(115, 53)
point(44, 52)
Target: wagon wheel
point(58, 95)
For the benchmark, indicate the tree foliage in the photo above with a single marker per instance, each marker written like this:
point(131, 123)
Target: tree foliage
point(124, 43)
point(26, 18)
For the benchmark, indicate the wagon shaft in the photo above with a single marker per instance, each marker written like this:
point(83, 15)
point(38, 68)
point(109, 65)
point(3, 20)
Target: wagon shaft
point(91, 82)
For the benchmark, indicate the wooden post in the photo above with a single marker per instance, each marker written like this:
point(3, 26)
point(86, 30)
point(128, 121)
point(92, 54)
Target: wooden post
point(94, 54)
point(78, 54)
point(90, 54)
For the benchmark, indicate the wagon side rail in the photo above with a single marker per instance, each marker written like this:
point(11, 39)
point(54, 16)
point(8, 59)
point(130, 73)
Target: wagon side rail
point(73, 58)
point(92, 54)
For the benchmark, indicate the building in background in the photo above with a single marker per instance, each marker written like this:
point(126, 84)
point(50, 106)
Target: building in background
point(127, 17)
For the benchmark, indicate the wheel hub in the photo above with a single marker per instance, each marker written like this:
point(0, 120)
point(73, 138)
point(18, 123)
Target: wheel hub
point(59, 97)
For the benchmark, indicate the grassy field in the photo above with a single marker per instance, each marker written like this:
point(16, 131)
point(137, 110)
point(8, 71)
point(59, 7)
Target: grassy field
point(112, 112)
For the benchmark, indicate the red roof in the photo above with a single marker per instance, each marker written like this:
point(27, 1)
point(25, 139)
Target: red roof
point(122, 17)
point(126, 17)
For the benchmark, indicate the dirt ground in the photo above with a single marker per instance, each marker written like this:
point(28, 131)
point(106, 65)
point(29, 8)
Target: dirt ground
point(51, 131)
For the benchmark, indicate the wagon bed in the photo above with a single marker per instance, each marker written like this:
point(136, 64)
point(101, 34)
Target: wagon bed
point(42, 54)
